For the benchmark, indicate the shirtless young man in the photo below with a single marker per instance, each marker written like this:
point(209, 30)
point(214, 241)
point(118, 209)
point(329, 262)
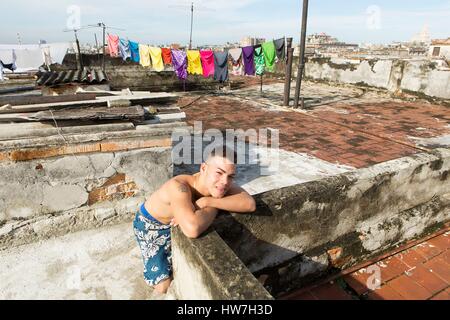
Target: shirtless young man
point(191, 202)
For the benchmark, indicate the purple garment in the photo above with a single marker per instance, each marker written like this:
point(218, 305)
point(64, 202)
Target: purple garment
point(179, 62)
point(247, 54)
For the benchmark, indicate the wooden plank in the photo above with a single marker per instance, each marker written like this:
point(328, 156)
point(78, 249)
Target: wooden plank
point(98, 102)
point(85, 138)
point(102, 113)
point(12, 132)
point(39, 99)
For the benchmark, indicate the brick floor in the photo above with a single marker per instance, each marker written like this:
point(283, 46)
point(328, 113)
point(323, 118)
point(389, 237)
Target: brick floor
point(298, 132)
point(363, 135)
point(406, 275)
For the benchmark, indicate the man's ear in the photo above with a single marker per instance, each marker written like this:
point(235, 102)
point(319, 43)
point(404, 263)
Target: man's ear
point(203, 167)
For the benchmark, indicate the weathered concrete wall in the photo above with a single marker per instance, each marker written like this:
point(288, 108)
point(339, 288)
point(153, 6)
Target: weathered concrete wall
point(342, 220)
point(206, 268)
point(45, 197)
point(132, 75)
point(417, 77)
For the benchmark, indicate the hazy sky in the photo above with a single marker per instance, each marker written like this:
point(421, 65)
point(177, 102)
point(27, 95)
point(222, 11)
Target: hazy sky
point(217, 21)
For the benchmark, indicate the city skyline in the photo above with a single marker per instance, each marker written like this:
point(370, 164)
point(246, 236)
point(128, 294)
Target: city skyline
point(218, 22)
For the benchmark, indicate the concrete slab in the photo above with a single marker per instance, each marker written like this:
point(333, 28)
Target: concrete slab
point(96, 264)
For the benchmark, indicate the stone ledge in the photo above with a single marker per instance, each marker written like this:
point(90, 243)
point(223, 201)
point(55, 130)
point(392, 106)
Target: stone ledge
point(206, 268)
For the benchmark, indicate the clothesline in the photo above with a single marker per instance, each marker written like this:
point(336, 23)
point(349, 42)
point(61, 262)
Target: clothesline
point(248, 60)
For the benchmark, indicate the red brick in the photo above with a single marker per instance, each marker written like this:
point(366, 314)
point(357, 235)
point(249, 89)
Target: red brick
point(385, 292)
point(330, 291)
point(427, 250)
point(443, 295)
point(391, 267)
point(439, 267)
point(442, 242)
point(427, 279)
point(410, 257)
point(409, 289)
point(358, 281)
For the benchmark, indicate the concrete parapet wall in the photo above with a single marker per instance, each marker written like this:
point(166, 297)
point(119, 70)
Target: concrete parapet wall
point(336, 222)
point(206, 268)
point(422, 78)
point(52, 196)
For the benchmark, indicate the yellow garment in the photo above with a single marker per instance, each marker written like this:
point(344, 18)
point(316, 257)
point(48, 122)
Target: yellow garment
point(194, 62)
point(157, 61)
point(144, 55)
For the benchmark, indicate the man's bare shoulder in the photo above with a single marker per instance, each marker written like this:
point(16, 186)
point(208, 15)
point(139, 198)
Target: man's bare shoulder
point(179, 183)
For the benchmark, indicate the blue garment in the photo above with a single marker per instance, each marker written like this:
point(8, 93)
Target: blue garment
point(134, 50)
point(124, 49)
point(153, 238)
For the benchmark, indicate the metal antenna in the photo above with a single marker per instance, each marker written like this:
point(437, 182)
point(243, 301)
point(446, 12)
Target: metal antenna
point(192, 16)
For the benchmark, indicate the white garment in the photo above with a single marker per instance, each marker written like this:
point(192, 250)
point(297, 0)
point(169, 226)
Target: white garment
point(1, 72)
point(6, 55)
point(28, 60)
point(236, 59)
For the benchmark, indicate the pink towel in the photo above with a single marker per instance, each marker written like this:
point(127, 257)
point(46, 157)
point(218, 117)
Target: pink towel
point(113, 45)
point(207, 58)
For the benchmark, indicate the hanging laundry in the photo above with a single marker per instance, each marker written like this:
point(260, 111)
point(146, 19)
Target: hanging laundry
point(279, 46)
point(207, 57)
point(134, 50)
point(144, 55)
point(236, 61)
point(179, 62)
point(194, 63)
point(113, 45)
point(166, 56)
point(268, 49)
point(221, 66)
point(124, 49)
point(157, 62)
point(259, 60)
point(248, 57)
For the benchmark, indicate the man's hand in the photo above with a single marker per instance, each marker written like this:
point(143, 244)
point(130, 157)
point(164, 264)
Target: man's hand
point(173, 222)
point(203, 202)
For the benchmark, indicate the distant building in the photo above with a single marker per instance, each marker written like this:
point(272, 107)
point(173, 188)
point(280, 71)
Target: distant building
point(440, 48)
point(249, 41)
point(322, 44)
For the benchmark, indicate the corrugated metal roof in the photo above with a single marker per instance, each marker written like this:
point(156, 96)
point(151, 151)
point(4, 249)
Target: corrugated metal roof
point(91, 76)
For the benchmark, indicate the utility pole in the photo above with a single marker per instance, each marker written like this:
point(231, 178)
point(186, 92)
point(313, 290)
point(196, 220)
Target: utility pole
point(288, 72)
point(78, 51)
point(301, 63)
point(104, 36)
point(192, 20)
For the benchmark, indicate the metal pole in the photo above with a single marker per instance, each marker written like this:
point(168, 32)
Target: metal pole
point(103, 61)
point(288, 73)
point(192, 18)
point(260, 88)
point(96, 46)
point(301, 63)
point(78, 54)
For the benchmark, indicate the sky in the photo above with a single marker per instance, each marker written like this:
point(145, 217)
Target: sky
point(160, 22)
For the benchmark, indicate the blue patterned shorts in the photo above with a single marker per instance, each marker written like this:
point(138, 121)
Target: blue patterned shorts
point(153, 239)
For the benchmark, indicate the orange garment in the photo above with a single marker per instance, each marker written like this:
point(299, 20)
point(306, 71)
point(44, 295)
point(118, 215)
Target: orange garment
point(166, 55)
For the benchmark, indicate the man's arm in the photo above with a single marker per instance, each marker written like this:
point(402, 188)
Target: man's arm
point(236, 200)
point(192, 222)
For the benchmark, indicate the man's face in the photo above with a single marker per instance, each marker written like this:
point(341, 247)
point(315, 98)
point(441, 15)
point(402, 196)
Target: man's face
point(219, 174)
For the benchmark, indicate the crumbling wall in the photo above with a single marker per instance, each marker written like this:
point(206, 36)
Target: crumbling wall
point(41, 198)
point(336, 222)
point(420, 77)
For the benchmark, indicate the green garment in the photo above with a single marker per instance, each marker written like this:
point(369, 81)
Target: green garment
point(259, 61)
point(269, 55)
